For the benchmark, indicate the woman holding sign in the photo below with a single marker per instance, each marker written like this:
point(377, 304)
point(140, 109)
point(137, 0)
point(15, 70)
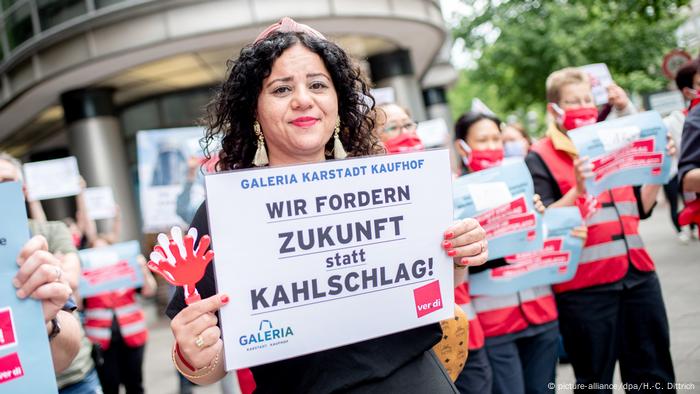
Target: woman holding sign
point(293, 97)
point(517, 345)
point(612, 309)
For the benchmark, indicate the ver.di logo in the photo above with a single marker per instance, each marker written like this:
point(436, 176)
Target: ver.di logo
point(267, 335)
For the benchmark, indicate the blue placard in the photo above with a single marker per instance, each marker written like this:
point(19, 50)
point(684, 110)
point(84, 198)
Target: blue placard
point(110, 268)
point(500, 198)
point(25, 356)
point(556, 262)
point(627, 151)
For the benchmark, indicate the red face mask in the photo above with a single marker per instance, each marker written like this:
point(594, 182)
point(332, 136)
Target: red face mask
point(405, 142)
point(579, 117)
point(481, 159)
point(76, 238)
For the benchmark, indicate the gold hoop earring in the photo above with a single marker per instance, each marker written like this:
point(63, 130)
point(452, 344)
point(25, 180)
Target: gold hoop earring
point(338, 149)
point(260, 158)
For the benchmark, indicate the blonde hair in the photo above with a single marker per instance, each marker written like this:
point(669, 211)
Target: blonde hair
point(15, 163)
point(560, 78)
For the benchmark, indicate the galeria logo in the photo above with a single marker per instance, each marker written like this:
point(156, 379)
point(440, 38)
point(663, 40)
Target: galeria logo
point(266, 334)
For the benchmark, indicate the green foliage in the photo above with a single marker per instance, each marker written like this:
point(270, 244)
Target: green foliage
point(535, 38)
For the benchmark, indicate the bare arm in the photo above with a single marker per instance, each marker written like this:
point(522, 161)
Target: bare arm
point(691, 181)
point(65, 345)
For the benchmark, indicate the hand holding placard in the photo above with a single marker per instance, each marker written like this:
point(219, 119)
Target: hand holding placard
point(178, 262)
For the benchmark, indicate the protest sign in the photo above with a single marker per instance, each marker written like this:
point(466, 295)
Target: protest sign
point(480, 107)
point(433, 133)
point(624, 151)
point(110, 268)
point(600, 78)
point(25, 356)
point(100, 202)
point(52, 178)
point(500, 198)
point(167, 198)
point(383, 95)
point(306, 251)
point(556, 262)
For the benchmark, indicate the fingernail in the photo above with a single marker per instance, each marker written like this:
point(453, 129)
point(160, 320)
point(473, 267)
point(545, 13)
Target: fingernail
point(464, 261)
point(20, 293)
point(449, 235)
point(452, 253)
point(15, 282)
point(447, 244)
point(224, 299)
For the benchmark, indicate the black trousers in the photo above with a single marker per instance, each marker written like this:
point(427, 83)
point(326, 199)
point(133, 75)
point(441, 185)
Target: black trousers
point(525, 365)
point(671, 193)
point(122, 365)
point(476, 377)
point(627, 325)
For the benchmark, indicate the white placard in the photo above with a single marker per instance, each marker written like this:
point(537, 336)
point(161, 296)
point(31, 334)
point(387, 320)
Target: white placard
point(616, 138)
point(600, 80)
point(433, 133)
point(489, 195)
point(375, 265)
point(666, 102)
point(52, 178)
point(480, 107)
point(100, 202)
point(383, 95)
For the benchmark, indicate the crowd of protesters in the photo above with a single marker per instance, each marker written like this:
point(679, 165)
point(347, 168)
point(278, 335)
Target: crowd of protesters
point(610, 313)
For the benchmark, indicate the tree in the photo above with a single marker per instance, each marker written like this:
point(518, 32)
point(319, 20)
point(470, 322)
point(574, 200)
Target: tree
point(536, 37)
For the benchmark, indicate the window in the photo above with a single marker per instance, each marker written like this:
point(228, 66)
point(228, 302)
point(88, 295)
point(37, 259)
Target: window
point(55, 12)
point(18, 25)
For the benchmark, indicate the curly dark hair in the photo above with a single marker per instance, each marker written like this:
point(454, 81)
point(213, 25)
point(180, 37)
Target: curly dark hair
point(230, 115)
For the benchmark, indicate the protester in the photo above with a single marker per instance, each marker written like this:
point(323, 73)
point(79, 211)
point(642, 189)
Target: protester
point(516, 140)
point(116, 323)
point(519, 330)
point(299, 97)
point(396, 129)
point(687, 81)
point(612, 310)
point(689, 169)
point(43, 276)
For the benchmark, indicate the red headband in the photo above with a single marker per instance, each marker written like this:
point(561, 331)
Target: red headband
point(288, 24)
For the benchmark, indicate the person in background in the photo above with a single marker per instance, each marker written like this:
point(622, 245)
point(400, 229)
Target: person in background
point(50, 278)
point(688, 83)
point(612, 310)
point(115, 321)
point(519, 331)
point(516, 140)
point(396, 129)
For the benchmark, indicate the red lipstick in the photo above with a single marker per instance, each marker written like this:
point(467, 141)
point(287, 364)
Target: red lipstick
point(304, 121)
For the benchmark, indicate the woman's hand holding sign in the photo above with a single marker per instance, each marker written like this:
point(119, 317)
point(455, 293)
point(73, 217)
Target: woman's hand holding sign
point(465, 241)
point(199, 348)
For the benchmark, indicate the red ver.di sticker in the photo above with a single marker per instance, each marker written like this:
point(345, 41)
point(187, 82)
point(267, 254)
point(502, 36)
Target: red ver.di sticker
point(428, 298)
point(10, 368)
point(7, 328)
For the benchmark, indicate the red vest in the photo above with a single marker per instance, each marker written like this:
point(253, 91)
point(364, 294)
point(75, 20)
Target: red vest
point(511, 313)
point(101, 310)
point(476, 333)
point(613, 230)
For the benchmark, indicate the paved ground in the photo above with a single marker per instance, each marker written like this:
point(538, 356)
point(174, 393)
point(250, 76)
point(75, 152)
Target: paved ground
point(679, 269)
